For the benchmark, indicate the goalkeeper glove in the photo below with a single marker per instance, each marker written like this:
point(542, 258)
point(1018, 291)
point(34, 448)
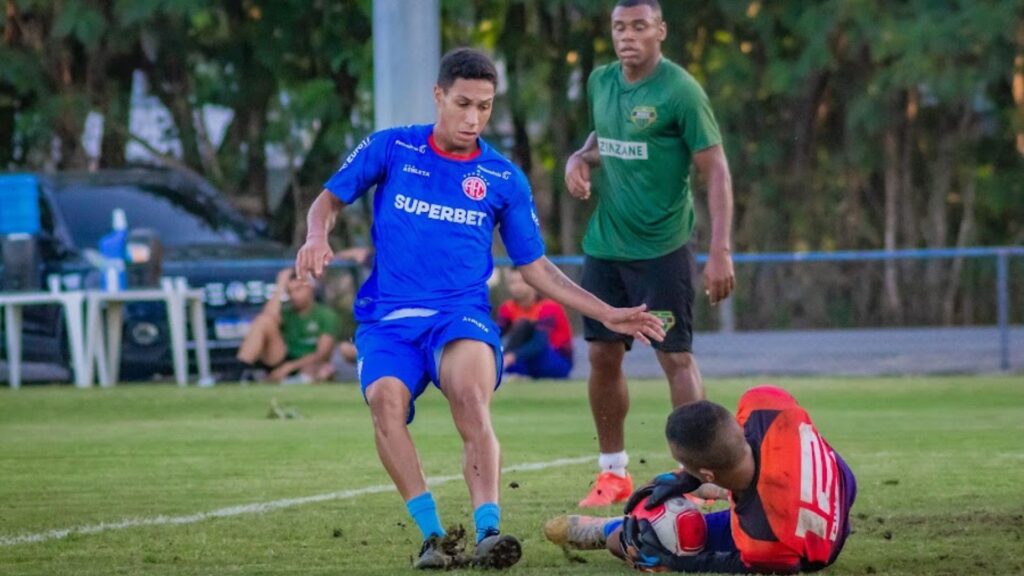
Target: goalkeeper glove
point(663, 487)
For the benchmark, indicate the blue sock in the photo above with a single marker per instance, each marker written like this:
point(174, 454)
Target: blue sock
point(486, 517)
point(610, 526)
point(424, 512)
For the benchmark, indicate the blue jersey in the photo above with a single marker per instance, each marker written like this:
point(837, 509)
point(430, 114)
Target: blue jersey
point(433, 220)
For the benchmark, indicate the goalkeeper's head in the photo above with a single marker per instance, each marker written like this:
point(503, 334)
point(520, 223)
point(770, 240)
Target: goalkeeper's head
point(710, 444)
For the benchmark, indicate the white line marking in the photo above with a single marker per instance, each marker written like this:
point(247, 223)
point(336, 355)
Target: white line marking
point(262, 507)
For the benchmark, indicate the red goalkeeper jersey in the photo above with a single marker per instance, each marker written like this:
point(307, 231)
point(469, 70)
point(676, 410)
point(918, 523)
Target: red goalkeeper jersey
point(795, 518)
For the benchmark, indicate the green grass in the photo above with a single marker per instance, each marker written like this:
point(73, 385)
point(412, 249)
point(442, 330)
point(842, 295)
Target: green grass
point(939, 461)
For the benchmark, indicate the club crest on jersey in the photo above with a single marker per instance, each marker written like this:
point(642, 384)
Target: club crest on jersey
point(643, 116)
point(474, 187)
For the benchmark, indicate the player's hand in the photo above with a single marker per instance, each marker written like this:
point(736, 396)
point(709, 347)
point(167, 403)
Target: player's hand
point(577, 177)
point(636, 322)
point(642, 548)
point(719, 278)
point(663, 487)
point(313, 257)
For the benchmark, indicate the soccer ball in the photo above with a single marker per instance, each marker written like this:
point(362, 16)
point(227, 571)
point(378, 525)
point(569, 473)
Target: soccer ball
point(679, 524)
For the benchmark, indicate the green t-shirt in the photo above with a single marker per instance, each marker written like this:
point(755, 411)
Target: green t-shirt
point(301, 331)
point(647, 134)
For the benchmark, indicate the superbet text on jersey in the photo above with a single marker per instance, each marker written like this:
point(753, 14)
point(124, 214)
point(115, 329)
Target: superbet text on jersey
point(437, 212)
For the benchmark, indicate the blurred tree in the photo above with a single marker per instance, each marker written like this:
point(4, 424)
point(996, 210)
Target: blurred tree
point(863, 124)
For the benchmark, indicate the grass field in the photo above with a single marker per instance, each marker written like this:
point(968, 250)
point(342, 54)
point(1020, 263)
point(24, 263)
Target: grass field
point(132, 472)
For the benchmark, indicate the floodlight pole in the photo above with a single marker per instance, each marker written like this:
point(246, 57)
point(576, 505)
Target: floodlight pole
point(406, 52)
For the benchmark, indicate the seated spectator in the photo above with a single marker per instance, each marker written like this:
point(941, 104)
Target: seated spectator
point(294, 338)
point(536, 333)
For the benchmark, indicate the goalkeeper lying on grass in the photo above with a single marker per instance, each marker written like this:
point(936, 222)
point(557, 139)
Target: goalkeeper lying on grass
point(789, 494)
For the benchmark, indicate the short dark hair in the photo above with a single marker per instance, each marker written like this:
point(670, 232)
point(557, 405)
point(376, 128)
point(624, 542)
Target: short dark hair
point(654, 4)
point(698, 432)
point(468, 64)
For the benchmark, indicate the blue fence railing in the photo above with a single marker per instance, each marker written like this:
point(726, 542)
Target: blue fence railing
point(1001, 254)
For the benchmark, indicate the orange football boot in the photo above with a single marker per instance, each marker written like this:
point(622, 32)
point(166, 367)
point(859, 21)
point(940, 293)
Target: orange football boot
point(609, 489)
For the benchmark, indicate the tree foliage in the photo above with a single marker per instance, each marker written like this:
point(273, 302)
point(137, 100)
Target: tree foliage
point(848, 124)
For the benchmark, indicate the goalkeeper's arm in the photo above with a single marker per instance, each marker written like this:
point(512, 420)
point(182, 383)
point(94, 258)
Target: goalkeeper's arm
point(727, 563)
point(640, 547)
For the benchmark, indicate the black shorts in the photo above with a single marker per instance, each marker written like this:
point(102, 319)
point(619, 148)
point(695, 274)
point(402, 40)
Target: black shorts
point(664, 283)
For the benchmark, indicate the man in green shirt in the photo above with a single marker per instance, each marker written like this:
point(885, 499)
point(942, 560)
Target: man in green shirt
point(293, 337)
point(651, 121)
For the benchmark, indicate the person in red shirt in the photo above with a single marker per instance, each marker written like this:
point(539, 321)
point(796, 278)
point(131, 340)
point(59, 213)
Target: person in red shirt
point(536, 333)
point(791, 493)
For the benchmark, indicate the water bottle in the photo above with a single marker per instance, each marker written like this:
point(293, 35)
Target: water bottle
point(113, 247)
point(19, 204)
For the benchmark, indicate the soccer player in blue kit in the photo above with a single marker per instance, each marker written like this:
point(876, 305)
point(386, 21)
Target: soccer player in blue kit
point(424, 312)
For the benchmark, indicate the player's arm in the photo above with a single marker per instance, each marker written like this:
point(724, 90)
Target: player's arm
point(577, 168)
point(588, 152)
point(641, 548)
point(364, 167)
point(710, 491)
point(721, 563)
point(316, 252)
point(272, 307)
point(713, 562)
point(719, 278)
point(543, 275)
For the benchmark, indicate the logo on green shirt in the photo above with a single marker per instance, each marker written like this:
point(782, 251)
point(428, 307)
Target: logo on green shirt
point(643, 116)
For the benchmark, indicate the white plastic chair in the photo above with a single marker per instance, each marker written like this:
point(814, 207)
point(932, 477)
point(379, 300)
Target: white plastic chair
point(103, 351)
point(70, 301)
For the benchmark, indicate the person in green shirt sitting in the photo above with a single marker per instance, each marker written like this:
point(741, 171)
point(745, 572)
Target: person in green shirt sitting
point(294, 337)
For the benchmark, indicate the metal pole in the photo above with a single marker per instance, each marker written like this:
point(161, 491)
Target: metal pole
point(406, 53)
point(1002, 297)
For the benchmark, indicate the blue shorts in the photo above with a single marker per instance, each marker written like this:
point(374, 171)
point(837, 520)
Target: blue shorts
point(719, 532)
point(410, 349)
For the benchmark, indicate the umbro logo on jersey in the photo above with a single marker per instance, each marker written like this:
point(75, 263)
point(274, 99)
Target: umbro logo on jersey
point(474, 187)
point(503, 175)
point(414, 170)
point(421, 149)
